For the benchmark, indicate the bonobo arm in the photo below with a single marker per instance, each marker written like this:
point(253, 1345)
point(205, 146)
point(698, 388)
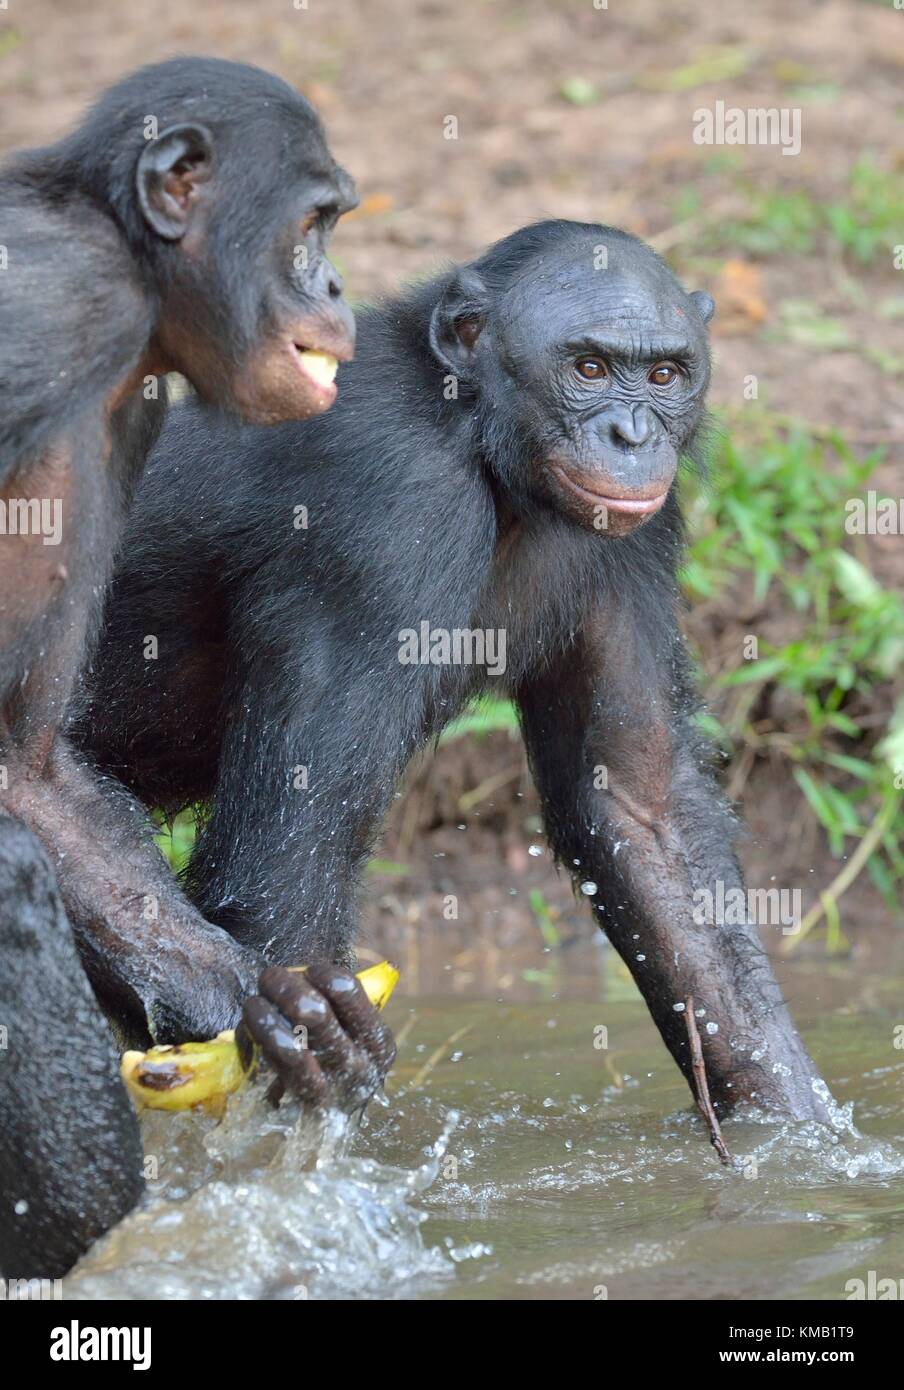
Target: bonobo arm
point(631, 807)
point(294, 813)
point(159, 969)
point(310, 758)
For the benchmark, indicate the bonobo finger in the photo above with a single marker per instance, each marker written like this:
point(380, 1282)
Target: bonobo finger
point(305, 1007)
point(284, 1049)
point(353, 1009)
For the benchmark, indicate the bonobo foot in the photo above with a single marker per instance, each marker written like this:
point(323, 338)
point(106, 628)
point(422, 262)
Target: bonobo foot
point(321, 1034)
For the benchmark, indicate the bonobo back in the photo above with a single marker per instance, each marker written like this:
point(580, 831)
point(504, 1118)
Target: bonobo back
point(73, 309)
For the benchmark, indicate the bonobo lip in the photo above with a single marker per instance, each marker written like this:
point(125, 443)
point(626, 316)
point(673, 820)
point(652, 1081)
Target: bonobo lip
point(635, 505)
point(328, 335)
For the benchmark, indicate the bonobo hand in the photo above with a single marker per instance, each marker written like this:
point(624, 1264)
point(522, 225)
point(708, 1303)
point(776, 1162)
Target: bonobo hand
point(321, 1033)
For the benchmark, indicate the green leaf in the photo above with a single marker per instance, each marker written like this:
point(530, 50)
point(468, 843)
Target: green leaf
point(762, 669)
point(579, 91)
point(854, 580)
point(485, 716)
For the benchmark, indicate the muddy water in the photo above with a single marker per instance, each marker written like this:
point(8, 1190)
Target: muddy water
point(517, 1158)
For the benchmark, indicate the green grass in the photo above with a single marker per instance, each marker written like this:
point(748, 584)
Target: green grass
point(485, 716)
point(543, 916)
point(177, 838)
point(775, 520)
point(865, 221)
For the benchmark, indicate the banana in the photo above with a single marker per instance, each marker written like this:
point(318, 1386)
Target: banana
point(181, 1076)
point(321, 367)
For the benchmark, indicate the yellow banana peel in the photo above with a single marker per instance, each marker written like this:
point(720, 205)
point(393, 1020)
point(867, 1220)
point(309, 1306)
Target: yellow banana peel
point(184, 1075)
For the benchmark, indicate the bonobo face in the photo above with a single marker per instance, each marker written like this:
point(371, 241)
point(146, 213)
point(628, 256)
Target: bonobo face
point(252, 311)
point(305, 326)
point(615, 365)
point(600, 373)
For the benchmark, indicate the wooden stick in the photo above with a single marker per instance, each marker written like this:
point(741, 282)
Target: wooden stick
point(436, 1057)
point(702, 1087)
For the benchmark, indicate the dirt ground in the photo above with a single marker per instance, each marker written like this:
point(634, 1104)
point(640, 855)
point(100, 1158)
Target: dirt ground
point(385, 76)
point(531, 143)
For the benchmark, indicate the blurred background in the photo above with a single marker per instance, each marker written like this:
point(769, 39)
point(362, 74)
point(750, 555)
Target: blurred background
point(566, 109)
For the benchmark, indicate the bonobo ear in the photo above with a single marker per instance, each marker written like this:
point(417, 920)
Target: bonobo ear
point(706, 305)
point(458, 320)
point(170, 173)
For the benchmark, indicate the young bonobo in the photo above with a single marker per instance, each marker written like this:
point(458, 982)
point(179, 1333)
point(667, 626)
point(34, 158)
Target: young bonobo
point(183, 227)
point(502, 458)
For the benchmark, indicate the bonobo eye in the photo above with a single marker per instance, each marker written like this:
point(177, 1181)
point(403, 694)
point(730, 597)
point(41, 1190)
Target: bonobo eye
point(591, 369)
point(663, 374)
point(323, 216)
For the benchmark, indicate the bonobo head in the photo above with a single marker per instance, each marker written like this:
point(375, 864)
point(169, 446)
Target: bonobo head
point(590, 364)
point(220, 176)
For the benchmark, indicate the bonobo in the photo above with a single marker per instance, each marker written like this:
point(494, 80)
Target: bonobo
point(501, 461)
point(183, 226)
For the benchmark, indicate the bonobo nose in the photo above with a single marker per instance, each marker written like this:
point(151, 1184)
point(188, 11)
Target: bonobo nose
point(334, 282)
point(337, 328)
point(630, 427)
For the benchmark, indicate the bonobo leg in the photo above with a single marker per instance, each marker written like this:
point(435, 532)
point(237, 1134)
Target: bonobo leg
point(630, 807)
point(70, 1150)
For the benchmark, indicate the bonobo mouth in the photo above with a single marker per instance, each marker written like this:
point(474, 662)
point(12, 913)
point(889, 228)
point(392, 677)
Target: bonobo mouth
point(317, 346)
point(583, 485)
point(317, 367)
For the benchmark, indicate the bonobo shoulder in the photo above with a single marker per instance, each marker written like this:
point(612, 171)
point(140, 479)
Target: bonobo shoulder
point(50, 248)
point(71, 301)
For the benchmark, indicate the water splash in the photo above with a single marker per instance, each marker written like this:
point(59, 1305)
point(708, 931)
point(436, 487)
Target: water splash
point(268, 1204)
